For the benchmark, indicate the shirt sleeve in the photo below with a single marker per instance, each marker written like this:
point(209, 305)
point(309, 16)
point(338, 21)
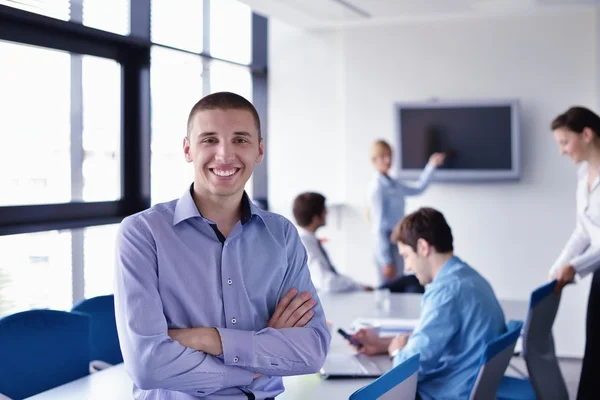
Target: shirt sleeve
point(321, 274)
point(383, 246)
point(439, 322)
point(418, 187)
point(152, 359)
point(573, 252)
point(287, 351)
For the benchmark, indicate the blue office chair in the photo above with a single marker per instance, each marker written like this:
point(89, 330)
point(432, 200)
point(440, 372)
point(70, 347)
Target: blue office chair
point(545, 378)
point(399, 383)
point(494, 361)
point(42, 349)
point(104, 341)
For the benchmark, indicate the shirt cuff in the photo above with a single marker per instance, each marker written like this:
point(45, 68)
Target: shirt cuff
point(238, 377)
point(238, 347)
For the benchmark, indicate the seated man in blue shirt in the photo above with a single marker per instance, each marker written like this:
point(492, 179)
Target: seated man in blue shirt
point(213, 296)
point(459, 311)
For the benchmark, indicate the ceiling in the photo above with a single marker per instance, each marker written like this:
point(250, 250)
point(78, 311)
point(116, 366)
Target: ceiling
point(335, 13)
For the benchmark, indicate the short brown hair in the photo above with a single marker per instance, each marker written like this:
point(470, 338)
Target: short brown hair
point(306, 206)
point(223, 101)
point(425, 223)
point(576, 119)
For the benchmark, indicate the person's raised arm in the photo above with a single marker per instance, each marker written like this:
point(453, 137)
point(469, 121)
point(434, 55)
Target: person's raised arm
point(152, 359)
point(418, 187)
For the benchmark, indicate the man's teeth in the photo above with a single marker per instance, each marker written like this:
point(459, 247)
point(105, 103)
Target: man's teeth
point(222, 172)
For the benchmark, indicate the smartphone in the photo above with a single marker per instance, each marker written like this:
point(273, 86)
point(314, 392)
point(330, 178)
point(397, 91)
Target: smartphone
point(349, 338)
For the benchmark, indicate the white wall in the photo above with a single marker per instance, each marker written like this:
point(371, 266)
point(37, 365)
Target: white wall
point(332, 94)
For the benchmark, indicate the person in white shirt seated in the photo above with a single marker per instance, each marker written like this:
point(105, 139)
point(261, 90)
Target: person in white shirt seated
point(311, 214)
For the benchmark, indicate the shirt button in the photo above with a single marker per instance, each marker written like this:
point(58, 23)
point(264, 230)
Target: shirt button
point(229, 281)
point(233, 320)
point(235, 359)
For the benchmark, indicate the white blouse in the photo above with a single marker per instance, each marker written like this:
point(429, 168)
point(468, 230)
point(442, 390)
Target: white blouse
point(582, 250)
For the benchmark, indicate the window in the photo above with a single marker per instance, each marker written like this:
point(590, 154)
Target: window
point(35, 125)
point(35, 271)
point(231, 31)
point(101, 129)
point(176, 85)
point(106, 15)
point(40, 270)
point(99, 259)
point(177, 23)
point(59, 9)
point(47, 97)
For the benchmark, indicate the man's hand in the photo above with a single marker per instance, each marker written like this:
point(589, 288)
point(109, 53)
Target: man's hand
point(398, 343)
point(437, 159)
point(563, 276)
point(372, 344)
point(293, 312)
point(206, 340)
point(389, 272)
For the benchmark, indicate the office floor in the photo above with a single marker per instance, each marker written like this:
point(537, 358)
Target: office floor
point(570, 367)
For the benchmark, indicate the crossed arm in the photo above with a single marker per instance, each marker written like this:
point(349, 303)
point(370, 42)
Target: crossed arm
point(291, 312)
point(189, 361)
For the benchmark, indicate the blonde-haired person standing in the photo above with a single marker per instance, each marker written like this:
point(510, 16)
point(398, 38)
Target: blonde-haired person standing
point(577, 132)
point(386, 205)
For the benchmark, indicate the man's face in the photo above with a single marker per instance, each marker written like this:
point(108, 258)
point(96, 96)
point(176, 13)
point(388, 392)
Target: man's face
point(415, 263)
point(224, 146)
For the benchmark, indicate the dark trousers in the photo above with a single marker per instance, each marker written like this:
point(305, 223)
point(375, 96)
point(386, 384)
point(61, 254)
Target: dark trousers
point(404, 284)
point(589, 383)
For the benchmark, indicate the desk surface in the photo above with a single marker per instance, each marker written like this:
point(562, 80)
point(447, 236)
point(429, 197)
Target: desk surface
point(341, 310)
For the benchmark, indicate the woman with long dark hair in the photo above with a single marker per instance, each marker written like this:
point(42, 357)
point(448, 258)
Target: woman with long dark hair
point(577, 132)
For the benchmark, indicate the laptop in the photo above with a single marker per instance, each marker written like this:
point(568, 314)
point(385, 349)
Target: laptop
point(353, 366)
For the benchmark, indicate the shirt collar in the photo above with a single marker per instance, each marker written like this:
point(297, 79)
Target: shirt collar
point(186, 208)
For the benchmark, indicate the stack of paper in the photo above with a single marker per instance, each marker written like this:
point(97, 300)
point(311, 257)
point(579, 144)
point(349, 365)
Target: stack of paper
point(386, 326)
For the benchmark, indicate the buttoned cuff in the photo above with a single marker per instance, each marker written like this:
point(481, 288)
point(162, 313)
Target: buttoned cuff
point(238, 347)
point(238, 377)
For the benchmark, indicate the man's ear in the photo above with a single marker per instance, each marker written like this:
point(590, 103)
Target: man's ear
point(423, 247)
point(186, 149)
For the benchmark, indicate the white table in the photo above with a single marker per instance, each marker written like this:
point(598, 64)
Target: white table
point(113, 383)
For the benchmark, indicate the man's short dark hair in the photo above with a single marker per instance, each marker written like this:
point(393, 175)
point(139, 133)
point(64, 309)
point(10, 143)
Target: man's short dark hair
point(306, 206)
point(425, 223)
point(576, 119)
point(223, 101)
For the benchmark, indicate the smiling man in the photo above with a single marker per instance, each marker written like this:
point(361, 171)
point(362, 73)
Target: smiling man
point(213, 297)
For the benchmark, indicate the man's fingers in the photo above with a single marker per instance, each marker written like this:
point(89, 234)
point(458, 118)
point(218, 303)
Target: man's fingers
point(304, 320)
point(282, 305)
point(294, 305)
point(300, 312)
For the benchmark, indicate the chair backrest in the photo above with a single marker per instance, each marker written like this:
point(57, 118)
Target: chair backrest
point(399, 383)
point(538, 345)
point(494, 361)
point(42, 349)
point(104, 340)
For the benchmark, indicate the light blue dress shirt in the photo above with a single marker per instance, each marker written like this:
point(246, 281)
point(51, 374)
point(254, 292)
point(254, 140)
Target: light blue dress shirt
point(459, 316)
point(386, 198)
point(173, 271)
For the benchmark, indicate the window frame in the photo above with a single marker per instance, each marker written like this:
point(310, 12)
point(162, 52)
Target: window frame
point(133, 53)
